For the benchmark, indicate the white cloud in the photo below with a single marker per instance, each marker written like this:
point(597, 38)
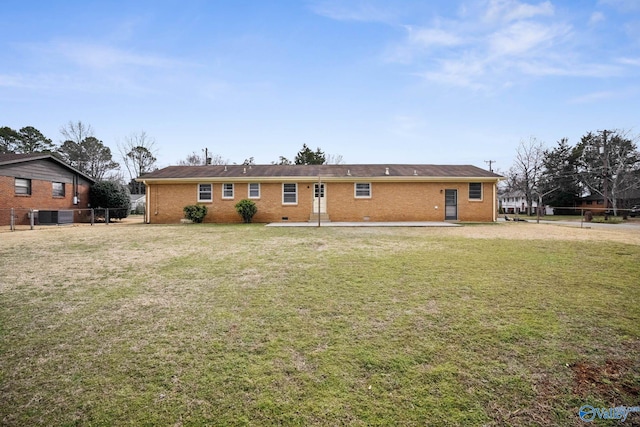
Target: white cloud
point(522, 37)
point(559, 67)
point(500, 43)
point(94, 68)
point(13, 81)
point(427, 37)
point(630, 61)
point(622, 5)
point(596, 18)
point(593, 97)
point(352, 11)
point(513, 10)
point(466, 72)
point(102, 56)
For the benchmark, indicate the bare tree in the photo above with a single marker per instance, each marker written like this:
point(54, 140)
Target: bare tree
point(334, 159)
point(526, 171)
point(76, 132)
point(609, 165)
point(282, 161)
point(138, 155)
point(217, 159)
point(193, 159)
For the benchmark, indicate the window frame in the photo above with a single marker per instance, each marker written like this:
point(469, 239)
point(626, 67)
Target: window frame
point(58, 194)
point(225, 189)
point(472, 192)
point(285, 193)
point(249, 190)
point(355, 190)
point(200, 192)
point(27, 187)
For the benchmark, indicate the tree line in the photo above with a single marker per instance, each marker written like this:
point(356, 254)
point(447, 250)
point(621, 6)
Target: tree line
point(82, 150)
point(305, 156)
point(604, 163)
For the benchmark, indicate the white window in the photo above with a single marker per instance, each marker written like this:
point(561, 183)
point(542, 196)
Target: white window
point(227, 191)
point(362, 190)
point(58, 189)
point(23, 186)
point(289, 194)
point(475, 191)
point(254, 190)
point(205, 193)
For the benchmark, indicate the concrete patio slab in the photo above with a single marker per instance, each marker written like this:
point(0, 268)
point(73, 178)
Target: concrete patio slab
point(365, 224)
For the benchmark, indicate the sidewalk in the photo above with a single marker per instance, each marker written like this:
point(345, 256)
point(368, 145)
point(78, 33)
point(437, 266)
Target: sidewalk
point(364, 224)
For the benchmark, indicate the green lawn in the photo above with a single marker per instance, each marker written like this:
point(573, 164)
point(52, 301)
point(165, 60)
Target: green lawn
point(250, 325)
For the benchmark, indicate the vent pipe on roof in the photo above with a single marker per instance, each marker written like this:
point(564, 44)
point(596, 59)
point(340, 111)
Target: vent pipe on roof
point(348, 172)
point(415, 172)
point(245, 170)
point(386, 171)
point(225, 168)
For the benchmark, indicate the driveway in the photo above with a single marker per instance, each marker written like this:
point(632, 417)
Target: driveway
point(624, 226)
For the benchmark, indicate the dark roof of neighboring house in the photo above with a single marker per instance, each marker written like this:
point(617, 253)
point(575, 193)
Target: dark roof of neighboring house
point(12, 158)
point(627, 194)
point(324, 171)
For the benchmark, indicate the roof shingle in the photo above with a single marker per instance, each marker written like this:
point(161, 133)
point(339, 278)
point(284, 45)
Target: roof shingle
point(334, 171)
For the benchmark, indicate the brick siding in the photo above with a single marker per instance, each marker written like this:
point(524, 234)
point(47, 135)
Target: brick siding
point(399, 201)
point(41, 198)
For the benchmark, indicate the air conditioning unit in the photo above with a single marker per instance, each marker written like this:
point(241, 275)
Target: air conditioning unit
point(55, 217)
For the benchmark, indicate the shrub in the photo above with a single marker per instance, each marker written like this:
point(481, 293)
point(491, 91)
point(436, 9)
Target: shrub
point(113, 196)
point(195, 213)
point(246, 209)
point(139, 209)
point(609, 220)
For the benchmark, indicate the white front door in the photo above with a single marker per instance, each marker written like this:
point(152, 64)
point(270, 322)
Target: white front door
point(319, 198)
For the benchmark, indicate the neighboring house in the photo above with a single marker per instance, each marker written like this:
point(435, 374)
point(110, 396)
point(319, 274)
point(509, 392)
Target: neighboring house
point(39, 181)
point(595, 202)
point(137, 203)
point(515, 202)
point(334, 192)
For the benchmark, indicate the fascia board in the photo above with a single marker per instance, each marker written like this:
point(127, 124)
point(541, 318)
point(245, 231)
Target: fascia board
point(278, 179)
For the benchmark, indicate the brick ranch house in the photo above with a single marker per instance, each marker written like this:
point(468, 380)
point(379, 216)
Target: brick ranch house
point(39, 181)
point(341, 193)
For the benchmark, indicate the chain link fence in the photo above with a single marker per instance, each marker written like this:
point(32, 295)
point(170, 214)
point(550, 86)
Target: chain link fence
point(23, 218)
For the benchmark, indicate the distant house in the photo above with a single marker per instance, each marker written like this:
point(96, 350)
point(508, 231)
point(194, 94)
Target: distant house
point(515, 202)
point(137, 203)
point(339, 193)
point(595, 202)
point(39, 181)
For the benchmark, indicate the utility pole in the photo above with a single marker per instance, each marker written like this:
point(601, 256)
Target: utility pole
point(206, 156)
point(490, 162)
point(605, 173)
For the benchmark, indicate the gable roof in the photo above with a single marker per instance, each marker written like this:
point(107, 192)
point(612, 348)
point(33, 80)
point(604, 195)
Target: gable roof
point(392, 172)
point(12, 158)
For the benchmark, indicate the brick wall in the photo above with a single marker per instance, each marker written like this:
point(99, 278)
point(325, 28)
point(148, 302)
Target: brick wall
point(408, 201)
point(41, 198)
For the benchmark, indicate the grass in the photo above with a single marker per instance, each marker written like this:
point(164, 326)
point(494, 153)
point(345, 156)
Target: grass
point(248, 325)
point(607, 220)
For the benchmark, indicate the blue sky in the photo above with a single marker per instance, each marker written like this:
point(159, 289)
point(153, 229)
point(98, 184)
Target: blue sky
point(444, 82)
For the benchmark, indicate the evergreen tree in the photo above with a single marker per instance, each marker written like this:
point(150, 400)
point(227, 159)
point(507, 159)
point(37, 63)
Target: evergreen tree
point(307, 157)
point(560, 180)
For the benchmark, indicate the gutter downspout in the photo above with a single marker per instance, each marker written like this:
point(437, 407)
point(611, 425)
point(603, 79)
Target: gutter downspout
point(495, 198)
point(147, 205)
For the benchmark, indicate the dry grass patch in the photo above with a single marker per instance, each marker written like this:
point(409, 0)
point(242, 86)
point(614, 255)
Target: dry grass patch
point(512, 324)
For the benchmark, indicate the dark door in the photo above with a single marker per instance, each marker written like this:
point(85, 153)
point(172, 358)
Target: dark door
point(451, 205)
